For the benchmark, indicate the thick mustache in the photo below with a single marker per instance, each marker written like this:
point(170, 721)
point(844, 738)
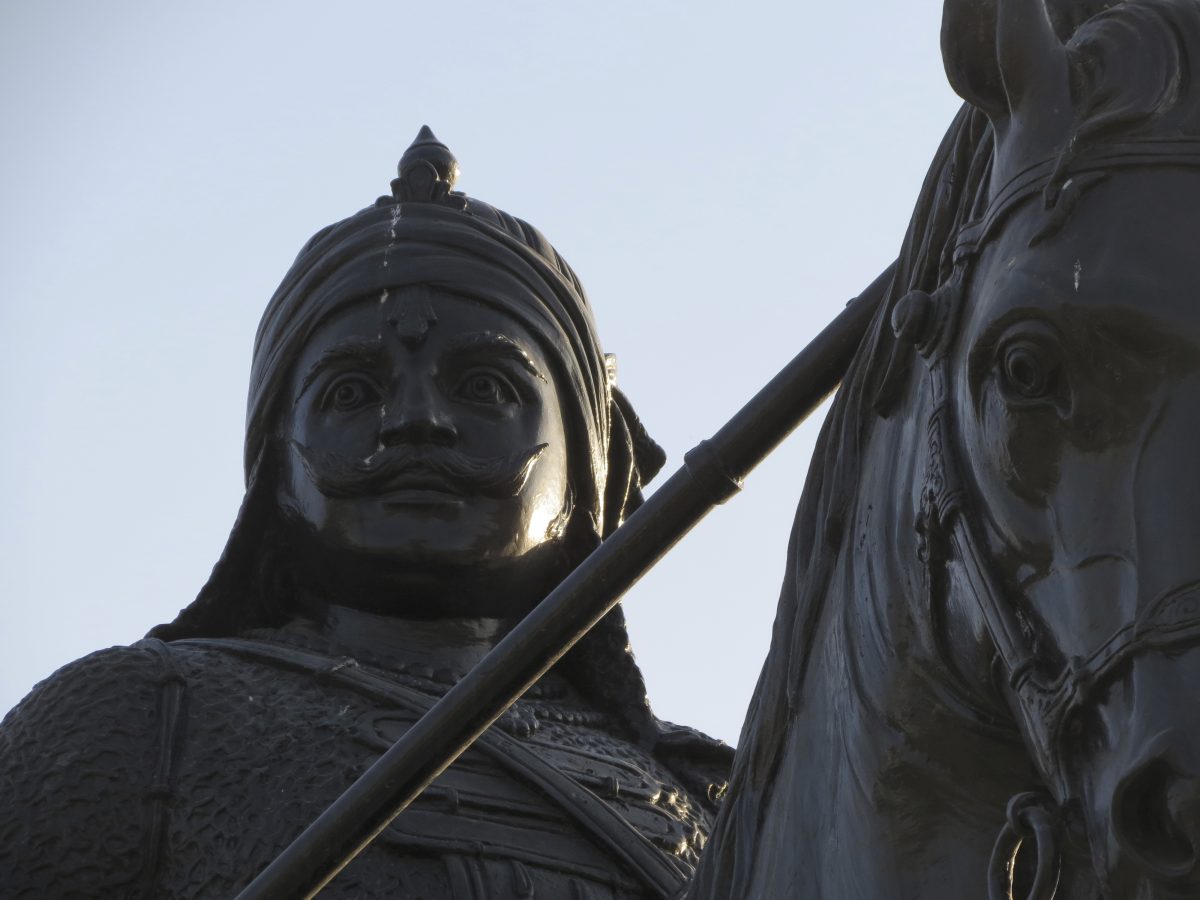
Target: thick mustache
point(409, 466)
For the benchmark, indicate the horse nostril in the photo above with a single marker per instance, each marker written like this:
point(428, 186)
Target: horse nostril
point(1155, 820)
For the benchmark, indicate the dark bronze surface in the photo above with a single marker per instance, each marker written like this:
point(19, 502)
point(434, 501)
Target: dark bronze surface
point(434, 440)
point(992, 588)
point(982, 677)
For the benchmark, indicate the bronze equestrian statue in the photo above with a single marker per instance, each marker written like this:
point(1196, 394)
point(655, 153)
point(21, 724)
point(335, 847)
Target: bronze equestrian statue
point(993, 597)
point(434, 439)
point(982, 678)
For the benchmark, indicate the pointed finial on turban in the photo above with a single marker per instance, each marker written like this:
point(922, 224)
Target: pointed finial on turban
point(427, 171)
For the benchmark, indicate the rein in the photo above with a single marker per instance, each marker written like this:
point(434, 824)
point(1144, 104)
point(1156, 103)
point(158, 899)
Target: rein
point(1046, 701)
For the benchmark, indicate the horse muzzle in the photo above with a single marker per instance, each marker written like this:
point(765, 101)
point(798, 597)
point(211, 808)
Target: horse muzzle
point(1155, 816)
point(1145, 785)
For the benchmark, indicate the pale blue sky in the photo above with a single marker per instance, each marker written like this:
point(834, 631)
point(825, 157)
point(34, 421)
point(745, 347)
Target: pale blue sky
point(722, 176)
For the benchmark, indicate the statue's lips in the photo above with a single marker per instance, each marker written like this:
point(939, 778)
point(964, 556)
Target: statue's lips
point(421, 498)
point(418, 488)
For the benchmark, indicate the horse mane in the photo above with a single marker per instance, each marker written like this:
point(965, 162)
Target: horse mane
point(952, 187)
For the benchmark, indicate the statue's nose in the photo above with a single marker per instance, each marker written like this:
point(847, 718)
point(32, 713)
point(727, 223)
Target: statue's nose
point(1156, 819)
point(415, 417)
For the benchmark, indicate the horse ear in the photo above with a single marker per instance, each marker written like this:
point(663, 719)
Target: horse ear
point(1005, 58)
point(969, 54)
point(1033, 61)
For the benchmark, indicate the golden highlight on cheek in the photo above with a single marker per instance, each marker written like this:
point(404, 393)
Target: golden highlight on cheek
point(549, 504)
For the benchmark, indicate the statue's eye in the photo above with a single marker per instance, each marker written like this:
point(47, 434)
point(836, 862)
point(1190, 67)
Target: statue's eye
point(348, 393)
point(483, 386)
point(1028, 369)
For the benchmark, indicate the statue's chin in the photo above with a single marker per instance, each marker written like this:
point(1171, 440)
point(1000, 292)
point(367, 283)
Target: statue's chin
point(424, 529)
point(419, 581)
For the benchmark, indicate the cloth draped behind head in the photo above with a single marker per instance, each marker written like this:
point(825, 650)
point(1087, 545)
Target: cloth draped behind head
point(426, 234)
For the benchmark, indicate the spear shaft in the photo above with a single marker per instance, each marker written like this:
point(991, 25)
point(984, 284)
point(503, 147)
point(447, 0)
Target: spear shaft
point(712, 472)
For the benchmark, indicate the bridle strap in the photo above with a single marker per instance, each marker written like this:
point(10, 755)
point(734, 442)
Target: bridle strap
point(944, 500)
point(1181, 152)
point(1171, 621)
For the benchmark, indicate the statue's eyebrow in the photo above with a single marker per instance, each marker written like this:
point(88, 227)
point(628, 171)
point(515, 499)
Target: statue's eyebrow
point(495, 344)
point(364, 351)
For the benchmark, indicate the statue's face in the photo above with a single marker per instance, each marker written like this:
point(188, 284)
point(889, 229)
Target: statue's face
point(418, 453)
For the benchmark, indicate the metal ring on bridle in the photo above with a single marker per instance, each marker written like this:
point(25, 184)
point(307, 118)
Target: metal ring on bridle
point(1028, 817)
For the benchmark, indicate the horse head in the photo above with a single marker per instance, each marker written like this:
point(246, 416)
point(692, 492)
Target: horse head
point(1063, 352)
point(993, 589)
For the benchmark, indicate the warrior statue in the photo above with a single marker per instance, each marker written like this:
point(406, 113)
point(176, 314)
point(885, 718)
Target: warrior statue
point(434, 440)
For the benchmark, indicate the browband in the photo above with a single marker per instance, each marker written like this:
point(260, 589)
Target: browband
point(1172, 152)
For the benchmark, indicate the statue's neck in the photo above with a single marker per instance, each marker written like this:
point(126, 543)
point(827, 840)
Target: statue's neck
point(454, 644)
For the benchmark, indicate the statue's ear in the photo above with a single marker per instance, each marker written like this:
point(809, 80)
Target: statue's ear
point(969, 54)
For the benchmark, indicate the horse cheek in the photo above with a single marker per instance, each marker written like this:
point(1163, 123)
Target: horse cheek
point(1014, 455)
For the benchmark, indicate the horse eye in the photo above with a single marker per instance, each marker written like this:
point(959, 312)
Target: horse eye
point(1028, 370)
point(486, 387)
point(349, 393)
